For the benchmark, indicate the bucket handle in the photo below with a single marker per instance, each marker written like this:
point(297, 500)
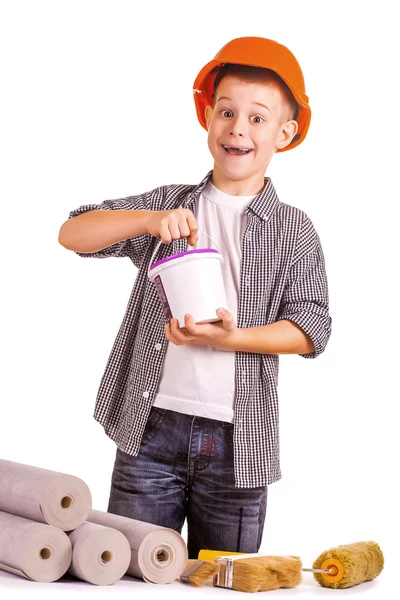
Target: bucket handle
point(158, 244)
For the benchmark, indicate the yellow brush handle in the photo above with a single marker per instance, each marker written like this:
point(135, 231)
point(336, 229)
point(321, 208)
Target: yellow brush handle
point(212, 554)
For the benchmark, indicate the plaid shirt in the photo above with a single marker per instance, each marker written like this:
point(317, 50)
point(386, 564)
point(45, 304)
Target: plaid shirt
point(282, 277)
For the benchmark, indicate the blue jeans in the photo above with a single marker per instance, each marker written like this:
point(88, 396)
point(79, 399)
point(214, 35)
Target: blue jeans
point(184, 469)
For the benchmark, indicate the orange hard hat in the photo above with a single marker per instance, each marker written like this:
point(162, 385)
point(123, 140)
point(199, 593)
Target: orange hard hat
point(256, 52)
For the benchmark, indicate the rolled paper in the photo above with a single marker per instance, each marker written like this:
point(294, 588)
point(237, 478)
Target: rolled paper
point(100, 555)
point(57, 499)
point(33, 550)
point(158, 554)
point(351, 564)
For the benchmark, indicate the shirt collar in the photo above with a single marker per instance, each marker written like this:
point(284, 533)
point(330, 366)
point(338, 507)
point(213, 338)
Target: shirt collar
point(263, 205)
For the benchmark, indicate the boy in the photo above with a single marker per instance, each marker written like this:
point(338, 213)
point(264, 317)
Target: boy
point(193, 408)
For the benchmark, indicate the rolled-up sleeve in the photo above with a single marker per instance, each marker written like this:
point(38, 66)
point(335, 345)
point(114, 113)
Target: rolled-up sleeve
point(135, 247)
point(305, 299)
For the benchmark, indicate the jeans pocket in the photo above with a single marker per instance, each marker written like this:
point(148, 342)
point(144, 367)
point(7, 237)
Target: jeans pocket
point(153, 424)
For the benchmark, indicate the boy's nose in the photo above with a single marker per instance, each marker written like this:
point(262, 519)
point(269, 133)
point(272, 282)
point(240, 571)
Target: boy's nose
point(237, 126)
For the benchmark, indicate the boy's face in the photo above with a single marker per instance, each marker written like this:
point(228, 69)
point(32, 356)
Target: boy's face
point(238, 120)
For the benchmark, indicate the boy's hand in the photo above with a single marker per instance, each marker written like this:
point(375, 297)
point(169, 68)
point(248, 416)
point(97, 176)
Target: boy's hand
point(173, 225)
point(220, 335)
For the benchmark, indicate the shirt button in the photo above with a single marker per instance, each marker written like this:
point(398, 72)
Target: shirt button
point(146, 394)
point(157, 346)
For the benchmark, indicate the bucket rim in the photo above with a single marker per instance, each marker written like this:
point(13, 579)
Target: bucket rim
point(180, 254)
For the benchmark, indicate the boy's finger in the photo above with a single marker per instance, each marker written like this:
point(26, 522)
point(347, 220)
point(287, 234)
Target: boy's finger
point(174, 325)
point(171, 337)
point(190, 324)
point(193, 224)
point(192, 240)
point(184, 228)
point(165, 234)
point(174, 229)
point(227, 318)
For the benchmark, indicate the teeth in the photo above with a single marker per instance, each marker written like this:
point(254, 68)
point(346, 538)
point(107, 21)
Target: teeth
point(242, 149)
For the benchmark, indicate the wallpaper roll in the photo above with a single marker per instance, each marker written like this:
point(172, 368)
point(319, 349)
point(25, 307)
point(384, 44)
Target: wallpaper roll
point(100, 555)
point(63, 501)
point(33, 550)
point(158, 554)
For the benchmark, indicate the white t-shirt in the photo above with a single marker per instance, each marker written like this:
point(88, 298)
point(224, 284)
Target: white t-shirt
point(200, 380)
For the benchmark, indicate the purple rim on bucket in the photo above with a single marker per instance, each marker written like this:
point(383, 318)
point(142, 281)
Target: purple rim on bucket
point(168, 258)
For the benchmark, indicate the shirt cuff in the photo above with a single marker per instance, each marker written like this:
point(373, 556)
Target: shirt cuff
point(318, 332)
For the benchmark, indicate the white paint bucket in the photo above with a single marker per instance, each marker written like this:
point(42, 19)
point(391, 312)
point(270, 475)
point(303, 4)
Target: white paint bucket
point(190, 282)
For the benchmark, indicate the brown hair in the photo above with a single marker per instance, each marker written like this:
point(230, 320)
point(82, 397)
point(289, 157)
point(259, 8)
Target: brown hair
point(257, 75)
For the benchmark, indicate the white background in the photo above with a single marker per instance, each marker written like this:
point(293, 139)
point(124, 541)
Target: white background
point(96, 103)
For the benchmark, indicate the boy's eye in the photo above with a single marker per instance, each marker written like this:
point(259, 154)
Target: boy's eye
point(255, 116)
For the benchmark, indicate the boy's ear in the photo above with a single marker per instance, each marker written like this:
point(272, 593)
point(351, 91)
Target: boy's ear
point(287, 133)
point(208, 114)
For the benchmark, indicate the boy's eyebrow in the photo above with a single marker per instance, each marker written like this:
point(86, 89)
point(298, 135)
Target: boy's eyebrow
point(259, 103)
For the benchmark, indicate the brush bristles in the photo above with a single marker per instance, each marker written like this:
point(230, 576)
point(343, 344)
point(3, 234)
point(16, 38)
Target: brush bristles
point(260, 574)
point(205, 571)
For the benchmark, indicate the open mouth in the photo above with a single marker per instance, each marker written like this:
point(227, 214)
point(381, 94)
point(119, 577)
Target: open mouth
point(237, 151)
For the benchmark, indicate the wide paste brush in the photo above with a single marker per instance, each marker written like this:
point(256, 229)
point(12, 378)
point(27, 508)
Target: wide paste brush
point(257, 573)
